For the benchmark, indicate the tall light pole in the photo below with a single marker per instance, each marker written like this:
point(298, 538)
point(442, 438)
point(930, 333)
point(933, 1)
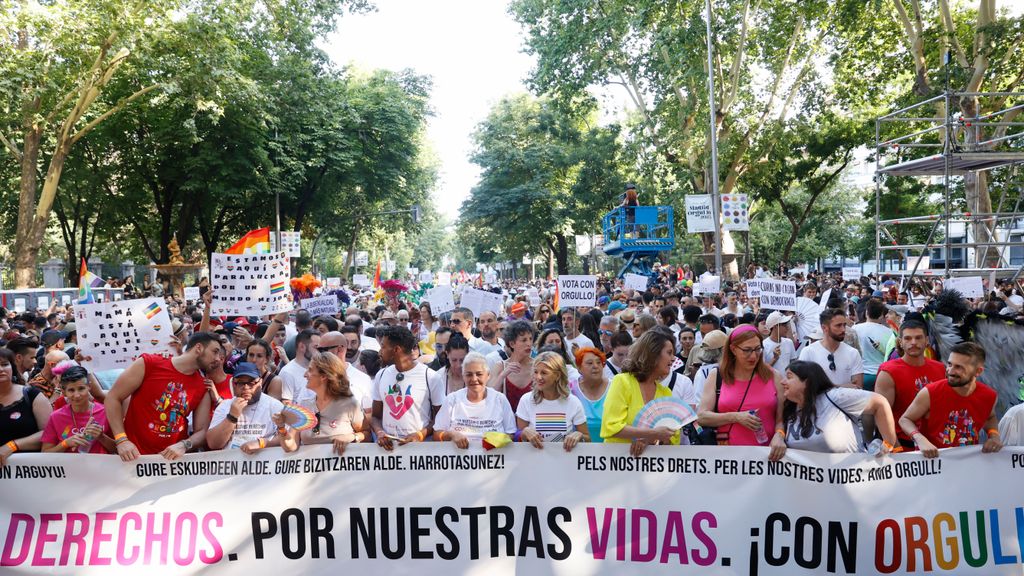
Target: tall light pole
point(716, 205)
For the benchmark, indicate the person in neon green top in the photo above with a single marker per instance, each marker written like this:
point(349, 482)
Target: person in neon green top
point(650, 361)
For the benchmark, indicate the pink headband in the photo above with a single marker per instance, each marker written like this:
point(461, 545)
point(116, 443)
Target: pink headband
point(741, 329)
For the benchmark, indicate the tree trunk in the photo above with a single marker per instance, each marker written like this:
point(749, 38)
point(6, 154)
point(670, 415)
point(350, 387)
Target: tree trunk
point(351, 252)
point(562, 254)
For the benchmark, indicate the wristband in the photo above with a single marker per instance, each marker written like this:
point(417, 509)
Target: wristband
point(231, 418)
point(440, 435)
point(992, 432)
point(120, 436)
point(120, 441)
point(518, 436)
point(282, 430)
point(888, 446)
point(781, 431)
point(13, 446)
point(262, 442)
point(63, 444)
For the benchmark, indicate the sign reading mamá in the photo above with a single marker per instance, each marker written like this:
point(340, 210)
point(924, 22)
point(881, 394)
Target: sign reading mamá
point(430, 508)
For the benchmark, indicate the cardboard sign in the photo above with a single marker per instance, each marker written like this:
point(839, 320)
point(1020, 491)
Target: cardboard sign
point(192, 293)
point(576, 291)
point(636, 282)
point(426, 277)
point(491, 277)
point(444, 278)
point(710, 285)
point(361, 280)
point(250, 284)
point(778, 294)
point(65, 299)
point(441, 299)
point(116, 333)
point(321, 305)
point(967, 286)
point(734, 212)
point(699, 213)
point(851, 273)
point(753, 288)
point(480, 301)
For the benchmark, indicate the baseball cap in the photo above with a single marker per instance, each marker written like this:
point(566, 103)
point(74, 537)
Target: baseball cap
point(246, 369)
point(518, 307)
point(53, 336)
point(616, 306)
point(776, 318)
point(714, 340)
point(603, 300)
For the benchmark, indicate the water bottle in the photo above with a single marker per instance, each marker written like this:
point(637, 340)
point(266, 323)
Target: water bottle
point(875, 447)
point(760, 435)
point(89, 437)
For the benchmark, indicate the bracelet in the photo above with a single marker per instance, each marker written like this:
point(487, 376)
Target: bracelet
point(518, 435)
point(120, 436)
point(440, 435)
point(262, 442)
point(13, 446)
point(63, 444)
point(992, 432)
point(121, 440)
point(282, 430)
point(887, 446)
point(231, 418)
point(781, 431)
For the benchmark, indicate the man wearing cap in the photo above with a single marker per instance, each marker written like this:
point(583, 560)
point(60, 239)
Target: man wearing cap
point(360, 384)
point(873, 335)
point(517, 312)
point(705, 358)
point(779, 350)
point(247, 416)
point(602, 302)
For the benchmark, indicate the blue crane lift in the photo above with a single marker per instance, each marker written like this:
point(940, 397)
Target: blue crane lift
point(638, 234)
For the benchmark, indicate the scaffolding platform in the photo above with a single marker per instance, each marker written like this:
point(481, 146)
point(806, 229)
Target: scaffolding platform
point(960, 163)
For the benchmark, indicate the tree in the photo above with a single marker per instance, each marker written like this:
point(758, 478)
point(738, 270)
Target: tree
point(547, 174)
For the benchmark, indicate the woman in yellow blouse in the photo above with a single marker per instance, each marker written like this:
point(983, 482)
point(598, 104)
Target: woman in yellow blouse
point(650, 361)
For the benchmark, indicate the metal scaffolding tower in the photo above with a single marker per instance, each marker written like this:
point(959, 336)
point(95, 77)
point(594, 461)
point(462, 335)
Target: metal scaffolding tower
point(929, 139)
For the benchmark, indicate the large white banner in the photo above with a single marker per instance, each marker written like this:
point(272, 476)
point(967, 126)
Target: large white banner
point(115, 333)
point(699, 213)
point(430, 509)
point(250, 284)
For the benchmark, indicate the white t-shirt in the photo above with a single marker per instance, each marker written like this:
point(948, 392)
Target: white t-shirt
point(786, 356)
point(580, 341)
point(608, 373)
point(683, 388)
point(254, 423)
point(473, 419)
point(701, 376)
point(367, 343)
point(873, 338)
point(361, 386)
point(483, 346)
point(833, 431)
point(407, 402)
point(553, 419)
point(293, 384)
point(847, 361)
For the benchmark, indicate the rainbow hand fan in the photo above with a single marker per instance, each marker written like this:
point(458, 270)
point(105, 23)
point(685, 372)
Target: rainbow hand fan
point(668, 412)
point(299, 417)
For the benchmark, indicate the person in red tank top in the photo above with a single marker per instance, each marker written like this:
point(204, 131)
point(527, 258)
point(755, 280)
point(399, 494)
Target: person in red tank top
point(901, 379)
point(163, 392)
point(953, 412)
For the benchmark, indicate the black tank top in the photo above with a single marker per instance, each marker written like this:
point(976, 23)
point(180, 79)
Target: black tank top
point(17, 419)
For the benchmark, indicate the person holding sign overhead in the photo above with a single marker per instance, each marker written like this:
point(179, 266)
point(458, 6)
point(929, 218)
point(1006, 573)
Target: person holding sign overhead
point(163, 393)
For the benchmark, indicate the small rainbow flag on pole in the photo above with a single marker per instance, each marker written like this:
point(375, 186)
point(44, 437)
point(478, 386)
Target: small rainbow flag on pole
point(376, 276)
point(86, 282)
point(152, 310)
point(277, 287)
point(254, 242)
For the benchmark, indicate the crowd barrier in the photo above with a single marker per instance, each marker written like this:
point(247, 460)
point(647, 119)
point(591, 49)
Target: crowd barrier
point(432, 509)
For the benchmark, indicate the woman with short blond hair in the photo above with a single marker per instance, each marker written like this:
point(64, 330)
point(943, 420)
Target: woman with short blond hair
point(551, 413)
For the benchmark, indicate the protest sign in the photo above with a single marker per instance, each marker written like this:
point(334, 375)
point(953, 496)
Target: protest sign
point(778, 294)
point(967, 286)
point(291, 243)
point(42, 302)
point(321, 305)
point(362, 258)
point(490, 277)
point(114, 334)
point(636, 282)
point(333, 282)
point(851, 273)
point(192, 293)
point(250, 284)
point(431, 509)
point(710, 285)
point(444, 277)
point(825, 296)
point(65, 299)
point(480, 301)
point(441, 299)
point(734, 212)
point(753, 288)
point(699, 215)
point(20, 305)
point(412, 271)
point(361, 280)
point(426, 277)
point(577, 291)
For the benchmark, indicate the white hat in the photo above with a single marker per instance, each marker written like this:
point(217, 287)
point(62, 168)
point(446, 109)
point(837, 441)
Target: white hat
point(776, 318)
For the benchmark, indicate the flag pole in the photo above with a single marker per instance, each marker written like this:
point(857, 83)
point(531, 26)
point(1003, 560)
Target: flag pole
point(716, 205)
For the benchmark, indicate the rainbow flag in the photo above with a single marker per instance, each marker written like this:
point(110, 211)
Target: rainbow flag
point(86, 282)
point(254, 242)
point(152, 310)
point(376, 276)
point(277, 288)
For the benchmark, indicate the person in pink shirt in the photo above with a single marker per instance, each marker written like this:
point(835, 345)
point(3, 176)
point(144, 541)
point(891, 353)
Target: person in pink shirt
point(749, 404)
point(81, 424)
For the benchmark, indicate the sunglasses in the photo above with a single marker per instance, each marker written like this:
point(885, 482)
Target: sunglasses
point(327, 348)
point(316, 429)
point(832, 362)
point(456, 321)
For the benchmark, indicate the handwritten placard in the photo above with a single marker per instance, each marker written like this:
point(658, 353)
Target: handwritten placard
point(114, 334)
point(968, 286)
point(778, 294)
point(361, 280)
point(321, 305)
point(576, 291)
point(42, 302)
point(441, 299)
point(636, 282)
point(192, 293)
point(710, 285)
point(851, 273)
point(250, 284)
point(480, 301)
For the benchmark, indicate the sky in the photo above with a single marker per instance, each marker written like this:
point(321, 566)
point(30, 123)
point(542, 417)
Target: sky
point(472, 50)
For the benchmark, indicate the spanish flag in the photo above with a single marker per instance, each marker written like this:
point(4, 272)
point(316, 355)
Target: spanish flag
point(254, 242)
point(376, 276)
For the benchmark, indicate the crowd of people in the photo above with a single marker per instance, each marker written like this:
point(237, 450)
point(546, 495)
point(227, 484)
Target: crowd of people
point(867, 379)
